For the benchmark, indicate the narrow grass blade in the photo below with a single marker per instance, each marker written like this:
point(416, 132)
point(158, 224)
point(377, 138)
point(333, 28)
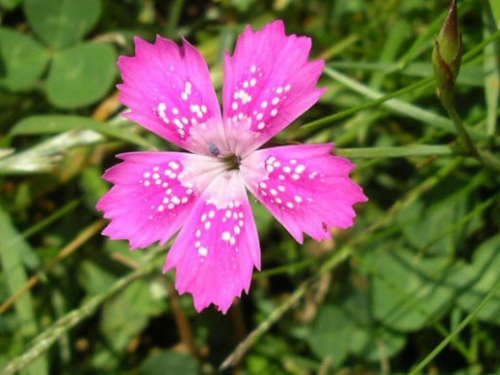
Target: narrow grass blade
point(399, 106)
point(53, 124)
point(397, 36)
point(15, 276)
point(396, 152)
point(491, 66)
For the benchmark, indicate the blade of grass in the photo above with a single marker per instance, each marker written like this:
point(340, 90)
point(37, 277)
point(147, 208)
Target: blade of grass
point(397, 36)
point(397, 152)
point(16, 277)
point(174, 14)
point(64, 210)
point(400, 106)
point(495, 10)
point(469, 75)
point(491, 66)
point(53, 124)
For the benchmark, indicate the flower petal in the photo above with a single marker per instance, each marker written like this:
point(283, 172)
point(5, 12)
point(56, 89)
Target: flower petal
point(305, 187)
point(216, 250)
point(268, 83)
point(153, 194)
point(168, 89)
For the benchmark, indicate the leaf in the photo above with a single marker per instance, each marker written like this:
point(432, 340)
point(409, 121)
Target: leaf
point(12, 248)
point(166, 362)
point(22, 60)
point(477, 279)
point(81, 75)
point(95, 278)
point(52, 124)
point(331, 334)
point(495, 10)
point(62, 23)
point(126, 315)
point(349, 328)
point(409, 291)
point(427, 223)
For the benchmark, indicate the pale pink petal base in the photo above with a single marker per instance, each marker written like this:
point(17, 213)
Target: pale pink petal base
point(306, 188)
point(216, 250)
point(152, 195)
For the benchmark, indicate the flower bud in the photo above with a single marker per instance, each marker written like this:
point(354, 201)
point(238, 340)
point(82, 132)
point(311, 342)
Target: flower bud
point(447, 55)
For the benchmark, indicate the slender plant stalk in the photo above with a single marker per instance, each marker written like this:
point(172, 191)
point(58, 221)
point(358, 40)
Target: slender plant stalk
point(461, 130)
point(397, 152)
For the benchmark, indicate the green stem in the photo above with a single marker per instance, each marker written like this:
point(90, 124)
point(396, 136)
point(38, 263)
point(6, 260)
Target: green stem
point(484, 156)
point(461, 130)
point(397, 152)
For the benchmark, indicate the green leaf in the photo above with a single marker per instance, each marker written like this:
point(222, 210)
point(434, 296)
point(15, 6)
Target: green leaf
point(22, 60)
point(331, 334)
point(51, 124)
point(81, 75)
point(477, 279)
point(166, 362)
point(95, 278)
point(495, 10)
point(349, 328)
point(12, 249)
point(427, 223)
point(127, 314)
point(62, 23)
point(409, 291)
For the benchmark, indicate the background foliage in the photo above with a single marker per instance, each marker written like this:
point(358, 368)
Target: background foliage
point(424, 252)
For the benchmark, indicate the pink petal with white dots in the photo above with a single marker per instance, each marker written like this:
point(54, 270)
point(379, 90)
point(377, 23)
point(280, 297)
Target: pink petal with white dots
point(268, 83)
point(305, 187)
point(152, 195)
point(216, 250)
point(168, 89)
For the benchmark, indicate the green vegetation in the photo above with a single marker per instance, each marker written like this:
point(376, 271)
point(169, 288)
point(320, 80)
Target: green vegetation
point(413, 287)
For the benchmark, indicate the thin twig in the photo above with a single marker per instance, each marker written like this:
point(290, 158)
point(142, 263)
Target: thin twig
point(182, 322)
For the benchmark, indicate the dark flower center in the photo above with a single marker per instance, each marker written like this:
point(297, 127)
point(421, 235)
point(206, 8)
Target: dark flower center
point(232, 162)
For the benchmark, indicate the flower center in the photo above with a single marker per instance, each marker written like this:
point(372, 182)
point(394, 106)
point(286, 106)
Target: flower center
point(232, 162)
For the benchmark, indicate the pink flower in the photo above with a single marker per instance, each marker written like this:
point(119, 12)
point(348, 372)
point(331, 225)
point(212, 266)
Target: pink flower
point(268, 83)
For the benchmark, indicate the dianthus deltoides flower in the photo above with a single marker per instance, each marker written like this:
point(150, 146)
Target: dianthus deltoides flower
point(268, 83)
